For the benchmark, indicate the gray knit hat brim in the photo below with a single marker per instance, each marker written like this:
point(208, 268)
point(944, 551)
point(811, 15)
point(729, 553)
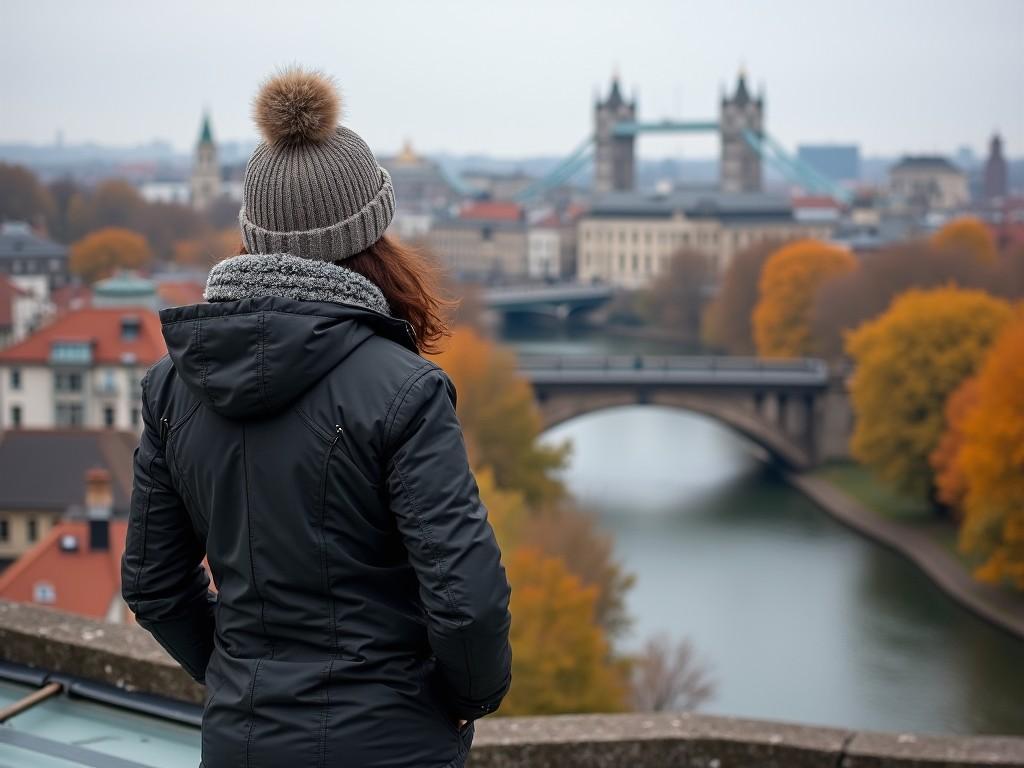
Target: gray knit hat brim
point(338, 241)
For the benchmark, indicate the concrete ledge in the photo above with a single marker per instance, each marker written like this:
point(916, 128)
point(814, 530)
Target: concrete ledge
point(126, 656)
point(686, 740)
point(118, 654)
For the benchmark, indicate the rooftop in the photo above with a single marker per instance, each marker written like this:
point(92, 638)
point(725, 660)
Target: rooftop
point(28, 456)
point(103, 329)
point(692, 203)
point(488, 210)
point(924, 163)
point(19, 241)
point(64, 571)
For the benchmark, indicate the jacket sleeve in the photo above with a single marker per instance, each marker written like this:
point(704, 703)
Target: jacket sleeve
point(451, 546)
point(162, 577)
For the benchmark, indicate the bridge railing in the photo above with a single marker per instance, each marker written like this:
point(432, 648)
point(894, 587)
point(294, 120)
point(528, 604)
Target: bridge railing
point(535, 362)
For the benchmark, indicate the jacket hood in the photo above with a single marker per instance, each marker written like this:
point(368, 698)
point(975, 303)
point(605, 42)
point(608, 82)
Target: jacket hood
point(252, 357)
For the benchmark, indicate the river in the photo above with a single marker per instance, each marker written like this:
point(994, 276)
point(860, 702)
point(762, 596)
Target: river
point(796, 617)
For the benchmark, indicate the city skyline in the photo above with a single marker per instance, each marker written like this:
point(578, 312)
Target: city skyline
point(459, 80)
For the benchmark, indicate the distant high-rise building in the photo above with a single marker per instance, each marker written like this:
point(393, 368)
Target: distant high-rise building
point(205, 183)
point(742, 115)
point(614, 161)
point(837, 162)
point(995, 170)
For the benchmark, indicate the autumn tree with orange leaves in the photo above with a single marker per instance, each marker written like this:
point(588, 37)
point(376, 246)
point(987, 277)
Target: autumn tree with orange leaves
point(499, 416)
point(950, 483)
point(908, 361)
point(789, 281)
point(103, 252)
point(991, 461)
point(728, 320)
point(970, 236)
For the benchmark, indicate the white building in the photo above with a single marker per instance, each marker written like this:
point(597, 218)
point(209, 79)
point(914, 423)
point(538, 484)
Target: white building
point(551, 246)
point(23, 308)
point(628, 238)
point(82, 370)
point(928, 183)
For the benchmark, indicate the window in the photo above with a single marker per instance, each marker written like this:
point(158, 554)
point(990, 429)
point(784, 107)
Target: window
point(77, 352)
point(69, 415)
point(33, 529)
point(15, 416)
point(4, 529)
point(64, 381)
point(130, 325)
point(15, 378)
point(108, 416)
point(44, 592)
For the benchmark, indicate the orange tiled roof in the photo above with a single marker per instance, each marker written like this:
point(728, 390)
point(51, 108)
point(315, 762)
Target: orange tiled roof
point(178, 293)
point(492, 211)
point(83, 582)
point(101, 327)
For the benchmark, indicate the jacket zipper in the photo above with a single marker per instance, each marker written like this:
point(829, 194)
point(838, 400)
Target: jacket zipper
point(165, 429)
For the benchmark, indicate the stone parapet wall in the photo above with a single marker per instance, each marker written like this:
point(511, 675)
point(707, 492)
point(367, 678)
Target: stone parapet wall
point(127, 657)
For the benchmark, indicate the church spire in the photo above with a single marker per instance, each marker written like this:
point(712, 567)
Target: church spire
point(206, 132)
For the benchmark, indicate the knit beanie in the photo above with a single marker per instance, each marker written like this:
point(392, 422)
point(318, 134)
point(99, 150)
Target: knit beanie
point(312, 187)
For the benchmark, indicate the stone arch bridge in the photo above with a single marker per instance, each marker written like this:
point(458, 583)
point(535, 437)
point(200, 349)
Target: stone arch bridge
point(797, 410)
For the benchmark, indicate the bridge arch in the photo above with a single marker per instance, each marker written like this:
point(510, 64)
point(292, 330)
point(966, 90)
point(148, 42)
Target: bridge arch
point(743, 420)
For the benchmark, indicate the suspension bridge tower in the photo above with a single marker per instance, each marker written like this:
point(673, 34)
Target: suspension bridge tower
point(614, 165)
point(741, 114)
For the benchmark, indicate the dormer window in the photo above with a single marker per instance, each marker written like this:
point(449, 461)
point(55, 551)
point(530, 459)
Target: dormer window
point(71, 352)
point(130, 327)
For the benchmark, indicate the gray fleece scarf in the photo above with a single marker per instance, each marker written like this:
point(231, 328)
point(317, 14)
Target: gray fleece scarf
point(251, 276)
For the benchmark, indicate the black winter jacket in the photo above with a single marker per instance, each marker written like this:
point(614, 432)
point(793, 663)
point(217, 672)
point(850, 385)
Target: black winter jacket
point(316, 461)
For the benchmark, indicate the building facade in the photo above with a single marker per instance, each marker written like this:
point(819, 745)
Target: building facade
point(928, 183)
point(205, 184)
point(551, 246)
point(83, 370)
point(628, 239)
point(487, 242)
point(740, 116)
point(31, 260)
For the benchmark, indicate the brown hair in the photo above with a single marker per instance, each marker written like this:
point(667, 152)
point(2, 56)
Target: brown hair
point(410, 282)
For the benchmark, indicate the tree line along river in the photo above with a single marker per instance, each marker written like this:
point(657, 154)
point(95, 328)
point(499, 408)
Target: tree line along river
point(796, 617)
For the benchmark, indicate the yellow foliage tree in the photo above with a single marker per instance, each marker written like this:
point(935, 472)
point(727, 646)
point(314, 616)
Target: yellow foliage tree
point(789, 281)
point(991, 459)
point(499, 416)
point(970, 235)
point(560, 656)
point(908, 361)
point(506, 510)
point(99, 254)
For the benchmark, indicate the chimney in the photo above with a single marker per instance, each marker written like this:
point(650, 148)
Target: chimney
point(99, 503)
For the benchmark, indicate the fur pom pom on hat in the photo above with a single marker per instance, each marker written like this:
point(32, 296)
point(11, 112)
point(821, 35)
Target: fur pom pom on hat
point(295, 106)
point(312, 187)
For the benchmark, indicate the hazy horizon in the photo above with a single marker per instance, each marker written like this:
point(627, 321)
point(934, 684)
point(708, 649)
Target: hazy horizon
point(460, 78)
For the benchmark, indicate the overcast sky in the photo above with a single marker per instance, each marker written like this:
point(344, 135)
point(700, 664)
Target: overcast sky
point(517, 78)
